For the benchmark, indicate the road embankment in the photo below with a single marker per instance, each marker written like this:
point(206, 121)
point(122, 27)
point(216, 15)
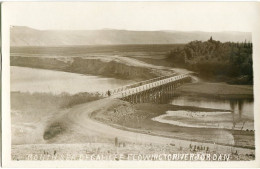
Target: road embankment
point(112, 66)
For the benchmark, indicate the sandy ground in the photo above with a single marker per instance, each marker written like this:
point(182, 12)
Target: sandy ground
point(203, 120)
point(75, 126)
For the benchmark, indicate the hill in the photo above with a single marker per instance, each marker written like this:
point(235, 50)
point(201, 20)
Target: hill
point(25, 36)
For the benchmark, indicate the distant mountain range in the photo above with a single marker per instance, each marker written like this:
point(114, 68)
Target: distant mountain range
point(25, 36)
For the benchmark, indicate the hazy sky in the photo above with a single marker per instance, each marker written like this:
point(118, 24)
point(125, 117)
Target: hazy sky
point(186, 16)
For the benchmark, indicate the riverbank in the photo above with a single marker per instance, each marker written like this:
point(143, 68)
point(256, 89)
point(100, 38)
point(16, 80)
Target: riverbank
point(102, 65)
point(217, 90)
point(139, 118)
point(81, 130)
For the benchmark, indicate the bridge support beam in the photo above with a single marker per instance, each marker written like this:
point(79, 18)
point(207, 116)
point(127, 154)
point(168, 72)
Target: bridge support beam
point(153, 93)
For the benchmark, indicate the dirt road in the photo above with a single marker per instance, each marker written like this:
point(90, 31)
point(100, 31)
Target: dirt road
point(80, 128)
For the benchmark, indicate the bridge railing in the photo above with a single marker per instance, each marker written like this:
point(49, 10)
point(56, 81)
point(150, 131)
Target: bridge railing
point(144, 85)
point(123, 88)
point(152, 85)
point(148, 86)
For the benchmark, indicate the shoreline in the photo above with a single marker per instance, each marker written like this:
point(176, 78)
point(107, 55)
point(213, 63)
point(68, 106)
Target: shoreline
point(149, 132)
point(158, 109)
point(143, 143)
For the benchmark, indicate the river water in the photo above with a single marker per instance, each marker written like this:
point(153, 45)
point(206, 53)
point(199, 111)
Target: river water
point(230, 114)
point(49, 81)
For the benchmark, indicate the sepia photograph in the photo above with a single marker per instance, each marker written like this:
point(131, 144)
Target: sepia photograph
point(130, 82)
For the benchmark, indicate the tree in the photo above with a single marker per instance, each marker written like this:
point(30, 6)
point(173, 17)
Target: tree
point(211, 39)
point(213, 58)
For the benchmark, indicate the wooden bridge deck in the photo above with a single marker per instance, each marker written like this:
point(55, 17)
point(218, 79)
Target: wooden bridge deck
point(139, 87)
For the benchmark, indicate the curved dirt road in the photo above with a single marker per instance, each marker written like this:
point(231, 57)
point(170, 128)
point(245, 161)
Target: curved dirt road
point(81, 128)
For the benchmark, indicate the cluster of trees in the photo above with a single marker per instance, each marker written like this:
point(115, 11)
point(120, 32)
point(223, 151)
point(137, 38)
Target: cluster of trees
point(232, 61)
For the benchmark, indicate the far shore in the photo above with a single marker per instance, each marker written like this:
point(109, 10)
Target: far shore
point(217, 90)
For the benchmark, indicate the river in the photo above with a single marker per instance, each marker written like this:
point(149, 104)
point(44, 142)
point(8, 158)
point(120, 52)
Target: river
point(233, 114)
point(32, 80)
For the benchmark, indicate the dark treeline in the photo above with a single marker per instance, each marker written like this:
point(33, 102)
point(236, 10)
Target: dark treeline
point(230, 62)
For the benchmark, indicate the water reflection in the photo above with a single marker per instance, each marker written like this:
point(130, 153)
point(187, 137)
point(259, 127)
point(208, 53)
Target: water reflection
point(242, 108)
point(240, 116)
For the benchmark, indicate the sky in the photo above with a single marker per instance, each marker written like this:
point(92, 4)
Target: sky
point(148, 16)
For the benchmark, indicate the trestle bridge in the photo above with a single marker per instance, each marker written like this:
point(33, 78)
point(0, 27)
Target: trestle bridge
point(153, 90)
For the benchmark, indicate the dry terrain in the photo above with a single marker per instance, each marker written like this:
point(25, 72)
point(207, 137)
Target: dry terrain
point(74, 126)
